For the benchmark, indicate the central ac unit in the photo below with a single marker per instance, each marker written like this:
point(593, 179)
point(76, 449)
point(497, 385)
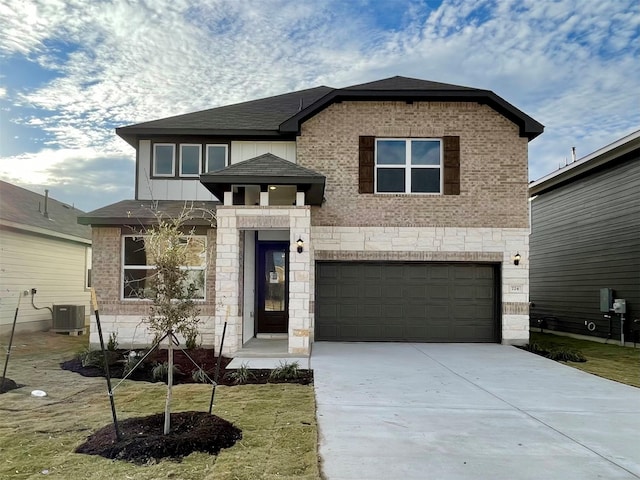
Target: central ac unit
point(68, 317)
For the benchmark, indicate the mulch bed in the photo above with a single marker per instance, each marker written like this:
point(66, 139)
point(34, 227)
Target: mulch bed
point(8, 385)
point(143, 441)
point(203, 358)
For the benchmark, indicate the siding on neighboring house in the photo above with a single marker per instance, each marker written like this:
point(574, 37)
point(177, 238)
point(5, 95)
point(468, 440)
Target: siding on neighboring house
point(586, 236)
point(56, 268)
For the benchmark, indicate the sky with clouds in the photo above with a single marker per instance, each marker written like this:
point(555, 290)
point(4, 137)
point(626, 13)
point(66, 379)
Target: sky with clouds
point(71, 71)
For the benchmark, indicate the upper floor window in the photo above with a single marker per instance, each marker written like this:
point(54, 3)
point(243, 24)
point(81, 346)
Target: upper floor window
point(190, 155)
point(408, 165)
point(216, 157)
point(164, 155)
point(187, 159)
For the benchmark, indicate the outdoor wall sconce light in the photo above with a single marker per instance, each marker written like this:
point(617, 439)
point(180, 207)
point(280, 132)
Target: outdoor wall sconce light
point(516, 259)
point(300, 244)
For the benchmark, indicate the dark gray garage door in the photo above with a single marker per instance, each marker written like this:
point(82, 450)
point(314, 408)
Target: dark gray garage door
point(413, 302)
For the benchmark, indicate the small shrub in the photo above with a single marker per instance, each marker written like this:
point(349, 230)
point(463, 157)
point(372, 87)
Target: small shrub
point(241, 375)
point(191, 340)
point(285, 371)
point(95, 358)
point(82, 353)
point(160, 371)
point(566, 355)
point(536, 348)
point(132, 359)
point(199, 375)
point(112, 344)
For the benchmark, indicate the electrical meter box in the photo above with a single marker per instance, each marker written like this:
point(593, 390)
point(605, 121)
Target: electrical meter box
point(620, 305)
point(606, 299)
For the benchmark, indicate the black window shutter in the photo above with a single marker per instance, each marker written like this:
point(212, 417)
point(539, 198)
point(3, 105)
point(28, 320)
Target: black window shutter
point(366, 164)
point(451, 146)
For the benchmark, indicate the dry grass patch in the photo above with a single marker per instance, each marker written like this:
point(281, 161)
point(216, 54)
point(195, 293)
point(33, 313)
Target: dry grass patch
point(277, 421)
point(614, 362)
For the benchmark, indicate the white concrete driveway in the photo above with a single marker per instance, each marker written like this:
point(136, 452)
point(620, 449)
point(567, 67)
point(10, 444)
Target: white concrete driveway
point(477, 411)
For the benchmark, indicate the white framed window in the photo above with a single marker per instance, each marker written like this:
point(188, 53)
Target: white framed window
point(138, 266)
point(164, 160)
point(408, 165)
point(190, 160)
point(217, 157)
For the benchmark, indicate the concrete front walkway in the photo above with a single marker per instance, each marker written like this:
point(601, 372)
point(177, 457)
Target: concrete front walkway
point(476, 411)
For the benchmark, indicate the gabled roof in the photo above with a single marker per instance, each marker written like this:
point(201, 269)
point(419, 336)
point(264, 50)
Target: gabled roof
point(414, 90)
point(619, 150)
point(25, 210)
point(254, 118)
point(406, 83)
point(282, 116)
point(135, 213)
point(264, 170)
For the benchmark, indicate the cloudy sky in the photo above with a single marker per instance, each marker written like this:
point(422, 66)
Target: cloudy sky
point(73, 70)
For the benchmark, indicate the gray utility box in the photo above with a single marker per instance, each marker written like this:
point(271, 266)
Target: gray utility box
point(68, 317)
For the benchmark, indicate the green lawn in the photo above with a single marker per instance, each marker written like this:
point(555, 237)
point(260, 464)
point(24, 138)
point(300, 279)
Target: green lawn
point(40, 434)
point(614, 362)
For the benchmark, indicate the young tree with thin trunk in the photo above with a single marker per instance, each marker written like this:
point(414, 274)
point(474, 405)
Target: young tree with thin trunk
point(173, 310)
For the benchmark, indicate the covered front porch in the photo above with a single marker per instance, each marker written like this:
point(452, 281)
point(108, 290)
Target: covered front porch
point(264, 264)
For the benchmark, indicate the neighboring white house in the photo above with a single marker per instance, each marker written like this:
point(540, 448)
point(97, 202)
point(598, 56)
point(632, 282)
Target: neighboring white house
point(42, 247)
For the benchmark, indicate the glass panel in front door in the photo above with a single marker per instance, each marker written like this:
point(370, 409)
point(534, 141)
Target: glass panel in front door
point(275, 271)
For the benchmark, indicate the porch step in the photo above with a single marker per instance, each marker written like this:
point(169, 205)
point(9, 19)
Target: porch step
point(272, 336)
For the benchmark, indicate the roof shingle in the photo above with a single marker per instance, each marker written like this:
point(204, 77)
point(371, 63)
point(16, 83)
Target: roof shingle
point(24, 207)
point(281, 116)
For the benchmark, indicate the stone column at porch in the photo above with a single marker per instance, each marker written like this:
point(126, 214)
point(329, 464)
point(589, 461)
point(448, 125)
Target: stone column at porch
point(228, 281)
point(299, 281)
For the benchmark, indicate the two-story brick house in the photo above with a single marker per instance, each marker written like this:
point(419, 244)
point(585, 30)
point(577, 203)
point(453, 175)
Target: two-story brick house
point(387, 211)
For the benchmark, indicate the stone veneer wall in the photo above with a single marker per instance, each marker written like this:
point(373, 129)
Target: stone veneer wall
point(231, 221)
point(125, 316)
point(447, 244)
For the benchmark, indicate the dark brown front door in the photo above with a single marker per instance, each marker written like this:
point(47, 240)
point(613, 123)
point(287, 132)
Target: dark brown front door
point(273, 287)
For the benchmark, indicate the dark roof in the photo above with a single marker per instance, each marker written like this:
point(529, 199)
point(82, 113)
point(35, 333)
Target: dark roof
point(406, 83)
point(608, 156)
point(266, 169)
point(256, 118)
point(25, 208)
point(282, 116)
point(145, 212)
point(410, 90)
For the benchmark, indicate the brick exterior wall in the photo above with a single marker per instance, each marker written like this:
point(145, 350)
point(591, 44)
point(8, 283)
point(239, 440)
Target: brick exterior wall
point(486, 222)
point(125, 316)
point(493, 165)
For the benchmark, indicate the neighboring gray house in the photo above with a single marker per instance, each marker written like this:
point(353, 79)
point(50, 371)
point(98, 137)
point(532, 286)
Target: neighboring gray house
point(387, 211)
point(585, 236)
point(42, 247)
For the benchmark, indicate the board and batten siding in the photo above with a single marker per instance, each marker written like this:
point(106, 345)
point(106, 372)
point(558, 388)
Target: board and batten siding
point(191, 189)
point(56, 268)
point(586, 236)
